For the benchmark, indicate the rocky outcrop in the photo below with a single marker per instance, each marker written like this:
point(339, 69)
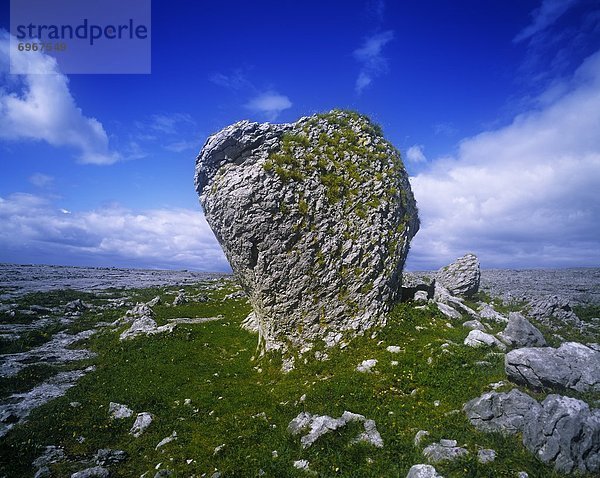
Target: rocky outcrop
point(315, 218)
point(565, 433)
point(506, 413)
point(572, 365)
point(462, 276)
point(519, 332)
point(553, 312)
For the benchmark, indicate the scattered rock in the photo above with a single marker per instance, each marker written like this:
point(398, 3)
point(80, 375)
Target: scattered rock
point(366, 366)
point(52, 454)
point(566, 433)
point(319, 425)
point(169, 439)
point(419, 437)
point(572, 365)
point(477, 338)
point(180, 299)
point(286, 212)
point(394, 349)
point(140, 310)
point(486, 455)
point(142, 422)
point(423, 471)
point(486, 311)
point(16, 408)
point(474, 325)
point(519, 332)
point(106, 457)
point(154, 302)
point(301, 464)
point(461, 277)
point(145, 326)
point(445, 450)
point(94, 472)
point(164, 473)
point(448, 311)
point(118, 411)
point(76, 305)
point(553, 312)
point(56, 351)
point(506, 413)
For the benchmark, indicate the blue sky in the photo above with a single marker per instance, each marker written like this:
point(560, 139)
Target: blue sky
point(495, 106)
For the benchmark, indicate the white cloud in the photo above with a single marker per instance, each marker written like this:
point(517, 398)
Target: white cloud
point(41, 180)
point(415, 154)
point(34, 229)
point(525, 195)
point(270, 104)
point(544, 16)
point(371, 58)
point(41, 107)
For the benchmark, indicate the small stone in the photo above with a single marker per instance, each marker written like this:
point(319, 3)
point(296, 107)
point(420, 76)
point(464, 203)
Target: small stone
point(423, 471)
point(486, 455)
point(106, 457)
point(477, 338)
point(75, 404)
point(119, 411)
point(94, 472)
point(142, 422)
point(366, 365)
point(445, 450)
point(301, 464)
point(394, 349)
point(421, 434)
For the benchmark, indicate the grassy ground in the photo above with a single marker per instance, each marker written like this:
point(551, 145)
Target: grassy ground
point(244, 406)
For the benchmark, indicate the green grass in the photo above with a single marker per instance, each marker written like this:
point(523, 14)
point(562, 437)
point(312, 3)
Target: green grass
point(212, 364)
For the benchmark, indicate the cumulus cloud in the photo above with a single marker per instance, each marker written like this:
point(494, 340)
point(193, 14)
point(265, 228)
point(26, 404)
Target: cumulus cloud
point(544, 16)
point(269, 104)
point(525, 195)
point(36, 230)
point(41, 107)
point(369, 55)
point(415, 154)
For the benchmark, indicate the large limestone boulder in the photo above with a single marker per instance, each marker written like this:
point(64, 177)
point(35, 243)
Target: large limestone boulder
point(572, 365)
point(461, 277)
point(519, 332)
point(315, 218)
point(566, 433)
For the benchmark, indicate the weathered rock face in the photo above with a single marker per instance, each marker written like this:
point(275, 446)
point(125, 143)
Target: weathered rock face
point(566, 433)
point(462, 276)
point(315, 218)
point(572, 365)
point(506, 413)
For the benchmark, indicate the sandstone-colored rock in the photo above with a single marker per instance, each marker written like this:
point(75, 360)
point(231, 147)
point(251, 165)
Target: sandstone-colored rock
point(315, 218)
